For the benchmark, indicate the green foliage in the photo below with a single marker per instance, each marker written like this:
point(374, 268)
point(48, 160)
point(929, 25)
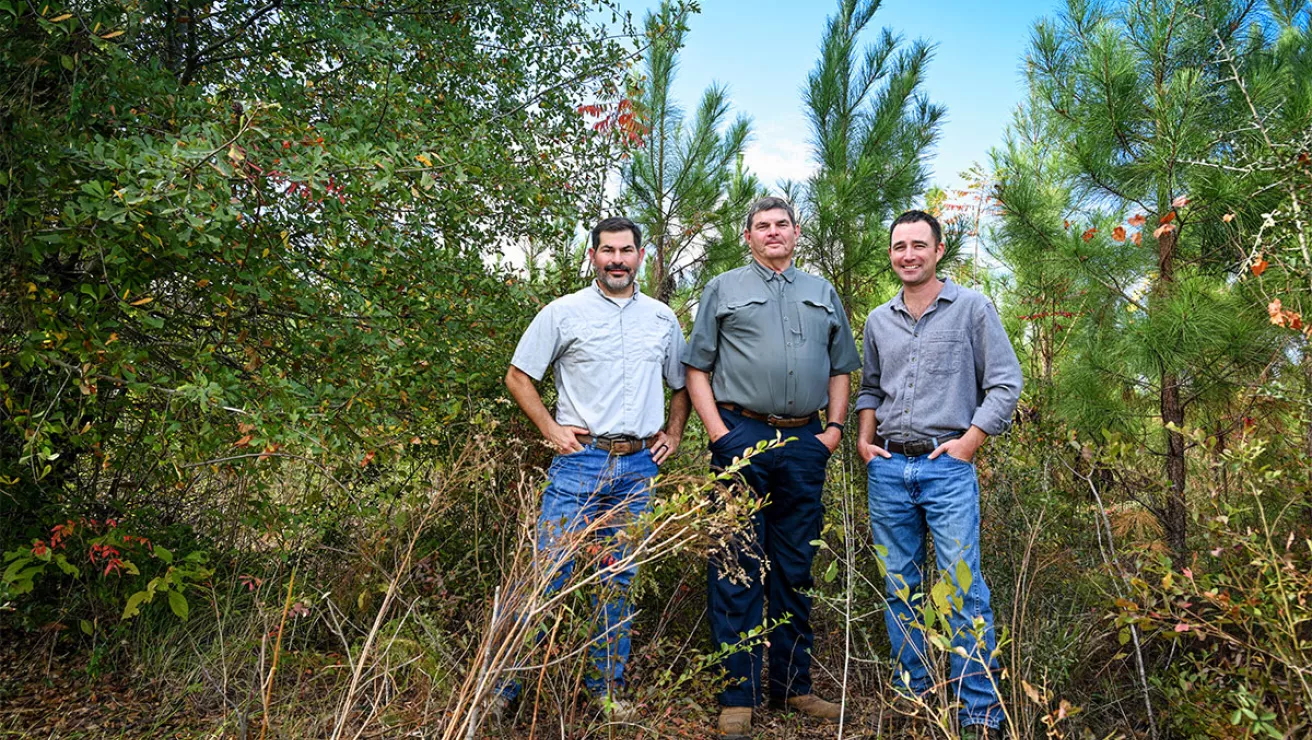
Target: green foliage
point(1238, 616)
point(104, 562)
point(262, 233)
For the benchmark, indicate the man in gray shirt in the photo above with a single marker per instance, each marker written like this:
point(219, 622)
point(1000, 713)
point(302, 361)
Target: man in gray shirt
point(610, 347)
point(939, 377)
point(771, 345)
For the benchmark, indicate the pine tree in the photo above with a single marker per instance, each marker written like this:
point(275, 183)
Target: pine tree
point(871, 128)
point(1133, 115)
point(675, 185)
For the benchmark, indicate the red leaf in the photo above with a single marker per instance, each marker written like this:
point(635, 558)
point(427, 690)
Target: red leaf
point(1168, 218)
point(1180, 201)
point(1163, 229)
point(1275, 310)
point(1137, 220)
point(1138, 238)
point(1088, 235)
point(244, 441)
point(1118, 234)
point(1259, 267)
point(368, 458)
point(1182, 627)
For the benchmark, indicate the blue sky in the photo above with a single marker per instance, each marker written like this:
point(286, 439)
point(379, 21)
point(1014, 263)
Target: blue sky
point(764, 50)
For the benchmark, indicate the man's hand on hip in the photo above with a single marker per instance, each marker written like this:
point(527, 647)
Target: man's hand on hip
point(565, 438)
point(869, 450)
point(663, 446)
point(962, 448)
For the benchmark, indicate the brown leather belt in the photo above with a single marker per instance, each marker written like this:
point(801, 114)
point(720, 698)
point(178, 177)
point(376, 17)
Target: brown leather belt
point(774, 420)
point(916, 446)
point(617, 444)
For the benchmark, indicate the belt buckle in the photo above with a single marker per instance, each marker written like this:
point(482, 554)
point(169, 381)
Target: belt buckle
point(918, 447)
point(619, 445)
point(774, 420)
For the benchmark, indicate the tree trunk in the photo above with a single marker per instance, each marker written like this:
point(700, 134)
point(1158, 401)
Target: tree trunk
point(1174, 513)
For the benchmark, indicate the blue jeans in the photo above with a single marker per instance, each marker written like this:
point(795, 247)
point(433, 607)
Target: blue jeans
point(910, 496)
point(793, 476)
point(583, 487)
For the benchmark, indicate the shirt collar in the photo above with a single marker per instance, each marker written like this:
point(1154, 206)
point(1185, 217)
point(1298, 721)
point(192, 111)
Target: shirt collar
point(949, 293)
point(621, 302)
point(789, 274)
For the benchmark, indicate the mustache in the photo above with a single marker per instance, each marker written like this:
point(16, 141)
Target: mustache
point(617, 267)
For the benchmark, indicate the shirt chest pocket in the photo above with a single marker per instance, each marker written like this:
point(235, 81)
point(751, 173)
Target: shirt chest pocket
point(647, 341)
point(945, 352)
point(745, 315)
point(588, 341)
point(816, 321)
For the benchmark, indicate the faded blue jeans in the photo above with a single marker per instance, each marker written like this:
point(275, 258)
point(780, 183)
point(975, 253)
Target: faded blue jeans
point(910, 497)
point(581, 488)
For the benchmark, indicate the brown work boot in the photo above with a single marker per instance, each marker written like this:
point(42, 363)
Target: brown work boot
point(736, 723)
point(813, 706)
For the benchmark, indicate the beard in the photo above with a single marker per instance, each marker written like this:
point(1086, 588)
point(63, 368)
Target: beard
point(616, 285)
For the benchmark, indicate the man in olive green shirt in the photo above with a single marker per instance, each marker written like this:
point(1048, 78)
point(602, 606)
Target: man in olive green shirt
point(771, 345)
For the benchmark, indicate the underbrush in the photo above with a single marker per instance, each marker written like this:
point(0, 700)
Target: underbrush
point(332, 607)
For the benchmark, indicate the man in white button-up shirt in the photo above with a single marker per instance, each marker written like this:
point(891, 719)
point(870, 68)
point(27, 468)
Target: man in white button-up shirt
point(612, 350)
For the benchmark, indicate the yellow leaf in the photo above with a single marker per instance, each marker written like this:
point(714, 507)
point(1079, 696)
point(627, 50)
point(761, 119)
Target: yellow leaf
point(61, 18)
point(112, 34)
point(143, 301)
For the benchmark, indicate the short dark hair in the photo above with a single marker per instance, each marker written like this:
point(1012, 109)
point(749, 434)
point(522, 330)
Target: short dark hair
point(768, 203)
point(913, 216)
point(613, 224)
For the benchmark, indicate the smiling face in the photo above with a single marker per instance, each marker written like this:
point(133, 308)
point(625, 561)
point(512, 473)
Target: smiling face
point(615, 260)
point(772, 237)
point(914, 253)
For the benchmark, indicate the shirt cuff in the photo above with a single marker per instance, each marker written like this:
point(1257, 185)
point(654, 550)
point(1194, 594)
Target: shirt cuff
point(989, 424)
point(868, 401)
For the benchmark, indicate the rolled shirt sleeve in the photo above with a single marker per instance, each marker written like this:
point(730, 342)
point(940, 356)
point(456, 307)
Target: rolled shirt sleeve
point(539, 347)
point(871, 395)
point(998, 369)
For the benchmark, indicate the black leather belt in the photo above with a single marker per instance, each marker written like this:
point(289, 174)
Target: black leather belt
point(617, 444)
point(916, 446)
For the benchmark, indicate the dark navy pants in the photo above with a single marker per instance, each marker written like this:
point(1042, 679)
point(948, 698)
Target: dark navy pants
point(793, 478)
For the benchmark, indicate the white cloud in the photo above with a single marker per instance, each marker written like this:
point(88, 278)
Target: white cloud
point(778, 153)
